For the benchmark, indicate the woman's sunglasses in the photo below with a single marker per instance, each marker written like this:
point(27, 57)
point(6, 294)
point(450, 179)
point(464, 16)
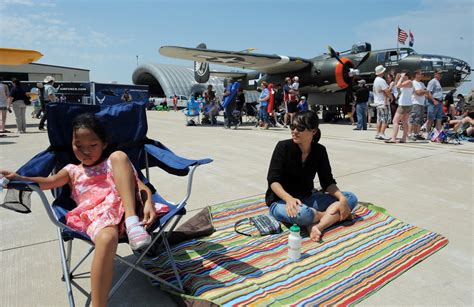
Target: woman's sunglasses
point(300, 128)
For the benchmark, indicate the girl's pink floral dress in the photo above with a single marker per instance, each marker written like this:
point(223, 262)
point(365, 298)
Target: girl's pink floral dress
point(98, 202)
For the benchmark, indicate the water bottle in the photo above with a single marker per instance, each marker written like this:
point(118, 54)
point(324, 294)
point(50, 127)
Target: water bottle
point(3, 182)
point(294, 243)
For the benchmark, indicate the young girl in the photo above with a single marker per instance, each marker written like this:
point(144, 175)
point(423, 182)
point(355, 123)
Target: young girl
point(106, 191)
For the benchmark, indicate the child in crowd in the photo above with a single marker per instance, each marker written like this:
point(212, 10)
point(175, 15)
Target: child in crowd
point(107, 191)
point(294, 88)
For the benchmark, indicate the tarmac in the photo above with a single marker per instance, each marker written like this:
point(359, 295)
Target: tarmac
point(426, 184)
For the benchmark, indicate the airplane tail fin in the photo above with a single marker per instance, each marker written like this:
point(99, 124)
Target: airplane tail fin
point(201, 69)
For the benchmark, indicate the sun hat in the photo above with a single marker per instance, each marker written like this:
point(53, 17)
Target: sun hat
point(379, 70)
point(296, 78)
point(303, 97)
point(49, 79)
point(361, 81)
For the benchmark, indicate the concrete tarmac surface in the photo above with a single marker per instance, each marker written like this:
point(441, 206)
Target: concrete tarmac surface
point(426, 184)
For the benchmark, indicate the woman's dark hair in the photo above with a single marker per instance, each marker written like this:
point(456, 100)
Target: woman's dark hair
point(309, 120)
point(90, 121)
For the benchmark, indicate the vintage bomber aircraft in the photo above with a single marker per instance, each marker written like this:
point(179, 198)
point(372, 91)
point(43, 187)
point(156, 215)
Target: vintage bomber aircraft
point(326, 79)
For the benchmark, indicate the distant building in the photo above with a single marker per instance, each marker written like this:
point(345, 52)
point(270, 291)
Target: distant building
point(37, 72)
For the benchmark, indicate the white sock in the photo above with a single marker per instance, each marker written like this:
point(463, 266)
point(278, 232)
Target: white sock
point(131, 220)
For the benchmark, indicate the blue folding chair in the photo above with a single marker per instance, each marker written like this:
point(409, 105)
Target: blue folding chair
point(126, 125)
point(192, 111)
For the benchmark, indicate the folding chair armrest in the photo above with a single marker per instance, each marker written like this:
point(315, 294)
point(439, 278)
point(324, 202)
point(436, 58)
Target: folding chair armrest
point(21, 185)
point(172, 160)
point(34, 187)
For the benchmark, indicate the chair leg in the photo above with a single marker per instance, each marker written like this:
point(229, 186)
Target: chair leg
point(65, 267)
point(82, 260)
point(173, 264)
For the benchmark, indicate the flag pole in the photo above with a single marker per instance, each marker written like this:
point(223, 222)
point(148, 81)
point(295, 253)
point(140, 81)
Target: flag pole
point(398, 49)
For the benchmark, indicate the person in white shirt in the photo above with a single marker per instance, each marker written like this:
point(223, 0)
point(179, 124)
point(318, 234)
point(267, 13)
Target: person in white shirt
point(381, 102)
point(418, 110)
point(3, 107)
point(405, 105)
point(435, 102)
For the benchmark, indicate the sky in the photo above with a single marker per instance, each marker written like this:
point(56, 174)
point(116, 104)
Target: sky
point(109, 37)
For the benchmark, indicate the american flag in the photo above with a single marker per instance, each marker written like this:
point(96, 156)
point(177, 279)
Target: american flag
point(402, 36)
point(411, 42)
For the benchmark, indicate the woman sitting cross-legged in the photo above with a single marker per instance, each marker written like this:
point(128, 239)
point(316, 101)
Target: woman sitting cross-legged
point(293, 167)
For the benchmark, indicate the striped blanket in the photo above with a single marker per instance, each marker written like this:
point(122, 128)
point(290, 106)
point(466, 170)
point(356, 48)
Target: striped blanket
point(352, 262)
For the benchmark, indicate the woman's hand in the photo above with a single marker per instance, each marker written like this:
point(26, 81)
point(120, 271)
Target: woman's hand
point(342, 209)
point(292, 206)
point(149, 215)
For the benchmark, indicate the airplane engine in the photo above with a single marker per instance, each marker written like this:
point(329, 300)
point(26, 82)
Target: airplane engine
point(331, 75)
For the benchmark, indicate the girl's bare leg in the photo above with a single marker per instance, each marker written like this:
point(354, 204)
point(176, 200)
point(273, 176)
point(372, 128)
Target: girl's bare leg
point(102, 270)
point(124, 181)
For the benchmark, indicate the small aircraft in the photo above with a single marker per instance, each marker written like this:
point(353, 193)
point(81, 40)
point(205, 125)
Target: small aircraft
point(326, 79)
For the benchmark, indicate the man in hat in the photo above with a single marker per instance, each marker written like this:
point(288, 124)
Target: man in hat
point(381, 102)
point(434, 107)
point(49, 96)
point(361, 100)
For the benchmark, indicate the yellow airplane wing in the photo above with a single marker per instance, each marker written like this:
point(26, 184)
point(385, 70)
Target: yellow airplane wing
point(13, 56)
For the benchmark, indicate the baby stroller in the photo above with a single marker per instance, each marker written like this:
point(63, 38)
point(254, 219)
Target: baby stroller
point(250, 112)
point(210, 111)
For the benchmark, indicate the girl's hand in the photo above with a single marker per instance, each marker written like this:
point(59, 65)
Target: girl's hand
point(292, 206)
point(149, 214)
point(9, 175)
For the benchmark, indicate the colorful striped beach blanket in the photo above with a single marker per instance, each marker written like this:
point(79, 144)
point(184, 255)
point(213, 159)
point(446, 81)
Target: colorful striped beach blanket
point(352, 262)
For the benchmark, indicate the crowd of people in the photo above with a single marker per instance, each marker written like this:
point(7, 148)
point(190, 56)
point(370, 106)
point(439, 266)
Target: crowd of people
point(409, 105)
point(15, 100)
point(275, 107)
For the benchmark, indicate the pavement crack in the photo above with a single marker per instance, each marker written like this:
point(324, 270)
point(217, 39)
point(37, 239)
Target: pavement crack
point(27, 245)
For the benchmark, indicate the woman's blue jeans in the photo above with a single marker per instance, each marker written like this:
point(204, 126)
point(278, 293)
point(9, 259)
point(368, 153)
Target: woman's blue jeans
point(305, 216)
point(264, 114)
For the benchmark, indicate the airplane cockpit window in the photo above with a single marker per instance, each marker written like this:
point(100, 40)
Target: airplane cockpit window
point(404, 53)
point(381, 57)
point(393, 56)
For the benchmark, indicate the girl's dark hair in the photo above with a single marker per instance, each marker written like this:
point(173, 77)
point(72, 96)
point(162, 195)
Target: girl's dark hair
point(309, 120)
point(90, 121)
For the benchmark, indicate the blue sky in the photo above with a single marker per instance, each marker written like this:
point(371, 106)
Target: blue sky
point(105, 36)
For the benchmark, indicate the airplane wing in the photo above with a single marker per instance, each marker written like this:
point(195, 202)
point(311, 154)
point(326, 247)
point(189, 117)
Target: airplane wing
point(266, 63)
point(13, 56)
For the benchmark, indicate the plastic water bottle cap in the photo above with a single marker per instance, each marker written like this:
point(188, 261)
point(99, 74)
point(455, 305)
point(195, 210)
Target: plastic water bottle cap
point(295, 228)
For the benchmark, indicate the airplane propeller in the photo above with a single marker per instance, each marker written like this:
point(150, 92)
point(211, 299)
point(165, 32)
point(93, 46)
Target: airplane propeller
point(336, 56)
point(351, 71)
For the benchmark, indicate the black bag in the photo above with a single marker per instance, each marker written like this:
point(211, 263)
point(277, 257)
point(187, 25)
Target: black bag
point(27, 100)
point(265, 224)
